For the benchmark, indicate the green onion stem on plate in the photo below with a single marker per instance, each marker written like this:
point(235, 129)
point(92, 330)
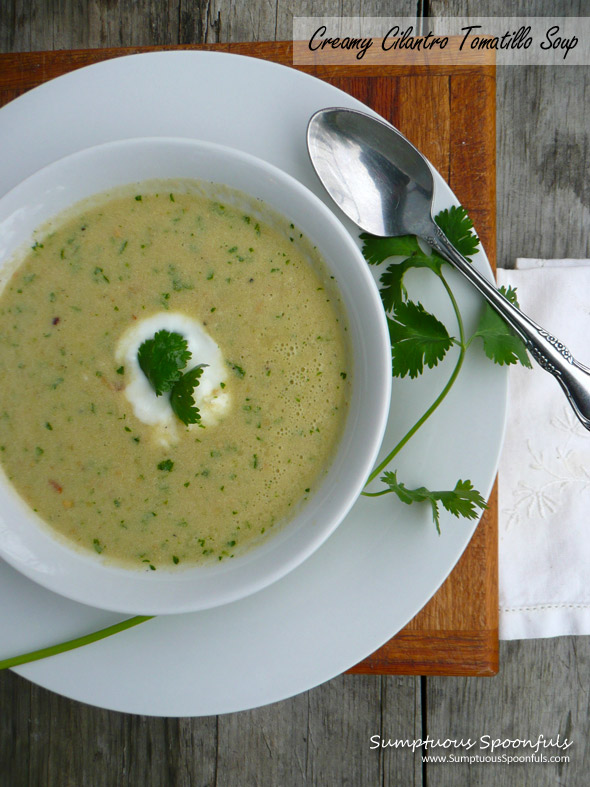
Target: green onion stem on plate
point(71, 644)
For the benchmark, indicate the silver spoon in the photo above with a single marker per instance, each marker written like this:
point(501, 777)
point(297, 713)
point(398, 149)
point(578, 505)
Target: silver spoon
point(383, 184)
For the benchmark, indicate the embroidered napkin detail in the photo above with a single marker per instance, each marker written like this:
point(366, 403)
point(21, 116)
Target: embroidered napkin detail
point(544, 474)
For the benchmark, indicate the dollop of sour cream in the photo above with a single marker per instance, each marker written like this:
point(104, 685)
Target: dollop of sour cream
point(211, 397)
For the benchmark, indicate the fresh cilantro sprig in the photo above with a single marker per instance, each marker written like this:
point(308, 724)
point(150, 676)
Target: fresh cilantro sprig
point(162, 360)
point(420, 339)
point(463, 500)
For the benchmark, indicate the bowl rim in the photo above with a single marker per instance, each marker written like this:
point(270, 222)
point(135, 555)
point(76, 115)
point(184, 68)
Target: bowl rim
point(55, 580)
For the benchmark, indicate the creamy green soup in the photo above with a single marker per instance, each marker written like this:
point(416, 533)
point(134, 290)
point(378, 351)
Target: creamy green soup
point(114, 471)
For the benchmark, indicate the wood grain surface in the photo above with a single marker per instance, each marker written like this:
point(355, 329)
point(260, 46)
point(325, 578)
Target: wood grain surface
point(321, 737)
point(457, 632)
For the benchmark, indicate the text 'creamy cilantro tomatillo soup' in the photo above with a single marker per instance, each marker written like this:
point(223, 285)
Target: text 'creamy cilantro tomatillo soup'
point(174, 374)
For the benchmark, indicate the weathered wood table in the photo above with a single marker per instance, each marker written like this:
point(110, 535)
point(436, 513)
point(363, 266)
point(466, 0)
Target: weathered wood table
point(323, 737)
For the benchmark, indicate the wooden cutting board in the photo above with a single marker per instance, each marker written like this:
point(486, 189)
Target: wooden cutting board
point(449, 113)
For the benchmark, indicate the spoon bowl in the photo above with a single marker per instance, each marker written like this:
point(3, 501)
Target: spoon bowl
point(386, 187)
point(373, 173)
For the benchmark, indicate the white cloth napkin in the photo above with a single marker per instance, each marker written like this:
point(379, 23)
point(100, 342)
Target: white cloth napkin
point(544, 475)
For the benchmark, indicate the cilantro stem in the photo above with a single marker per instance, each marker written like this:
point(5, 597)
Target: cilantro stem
point(457, 312)
point(71, 644)
point(439, 399)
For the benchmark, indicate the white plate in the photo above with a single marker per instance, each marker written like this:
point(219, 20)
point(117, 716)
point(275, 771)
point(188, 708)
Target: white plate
point(385, 561)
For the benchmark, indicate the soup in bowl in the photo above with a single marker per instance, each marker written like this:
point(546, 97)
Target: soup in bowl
point(195, 375)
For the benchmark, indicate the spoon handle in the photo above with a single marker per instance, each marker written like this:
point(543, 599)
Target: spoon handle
point(549, 352)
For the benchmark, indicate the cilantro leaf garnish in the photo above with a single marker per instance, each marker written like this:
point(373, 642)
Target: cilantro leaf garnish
point(376, 250)
point(162, 359)
point(453, 221)
point(393, 291)
point(417, 338)
point(458, 227)
point(461, 501)
point(182, 398)
point(500, 342)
